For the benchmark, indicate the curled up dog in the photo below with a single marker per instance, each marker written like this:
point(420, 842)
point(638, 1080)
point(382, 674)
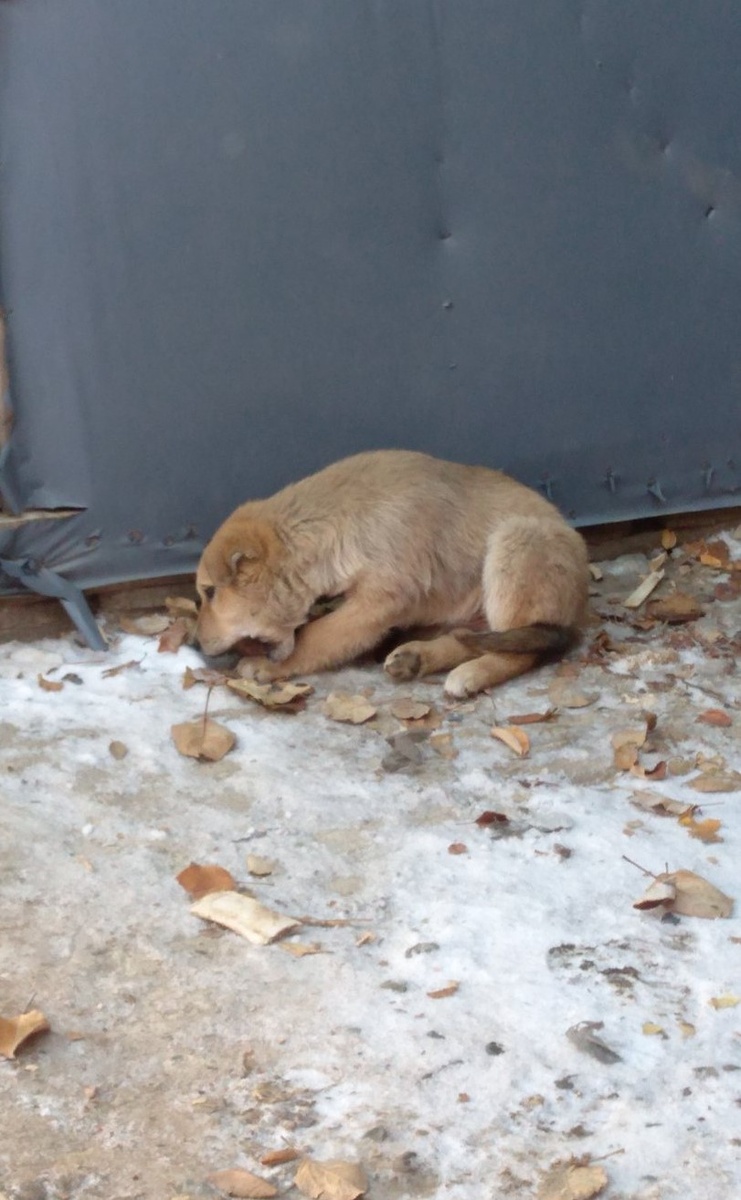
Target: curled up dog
point(407, 541)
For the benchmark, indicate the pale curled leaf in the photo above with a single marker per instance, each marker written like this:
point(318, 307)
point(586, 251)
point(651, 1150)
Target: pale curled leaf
point(729, 1000)
point(259, 866)
point(352, 710)
point(584, 1036)
point(243, 915)
point(204, 739)
point(288, 697)
point(715, 782)
point(148, 625)
point(692, 896)
point(15, 1030)
point(443, 993)
point(514, 737)
point(241, 1183)
point(572, 1181)
point(333, 1180)
point(202, 675)
point(663, 805)
point(49, 685)
point(406, 708)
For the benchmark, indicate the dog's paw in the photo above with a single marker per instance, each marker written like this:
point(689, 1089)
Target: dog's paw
point(468, 679)
point(262, 670)
point(404, 663)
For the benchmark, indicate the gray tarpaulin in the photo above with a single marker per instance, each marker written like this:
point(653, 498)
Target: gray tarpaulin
point(241, 238)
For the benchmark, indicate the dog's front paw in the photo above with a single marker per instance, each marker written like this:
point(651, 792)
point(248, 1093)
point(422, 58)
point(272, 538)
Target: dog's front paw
point(262, 670)
point(404, 663)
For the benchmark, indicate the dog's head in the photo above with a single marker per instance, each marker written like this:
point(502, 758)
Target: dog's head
point(245, 589)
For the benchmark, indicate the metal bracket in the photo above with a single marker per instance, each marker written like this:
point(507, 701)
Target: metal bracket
point(47, 583)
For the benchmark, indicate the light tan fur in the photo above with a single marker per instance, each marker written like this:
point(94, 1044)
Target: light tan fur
point(408, 541)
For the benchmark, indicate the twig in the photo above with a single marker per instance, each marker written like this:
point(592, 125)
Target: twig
point(640, 868)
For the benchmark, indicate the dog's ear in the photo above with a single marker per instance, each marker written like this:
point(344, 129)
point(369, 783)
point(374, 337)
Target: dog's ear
point(242, 548)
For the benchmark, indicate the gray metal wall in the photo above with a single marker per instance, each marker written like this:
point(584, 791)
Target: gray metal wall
point(240, 238)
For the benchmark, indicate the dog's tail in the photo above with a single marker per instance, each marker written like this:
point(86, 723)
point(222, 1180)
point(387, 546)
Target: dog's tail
point(547, 641)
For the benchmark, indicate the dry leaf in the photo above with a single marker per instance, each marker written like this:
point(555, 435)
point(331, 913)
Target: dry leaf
point(238, 1182)
point(174, 636)
point(301, 949)
point(202, 675)
point(488, 817)
point(406, 708)
point(442, 744)
point(564, 694)
point(442, 993)
point(654, 802)
point(49, 685)
point(534, 717)
point(644, 589)
point(148, 626)
point(715, 716)
point(201, 881)
point(572, 1181)
point(595, 572)
point(111, 671)
point(353, 710)
point(15, 1030)
point(118, 750)
point(332, 1180)
point(727, 1001)
point(716, 781)
point(457, 848)
point(204, 738)
point(584, 1037)
point(275, 1158)
point(676, 609)
point(706, 830)
point(650, 1028)
point(514, 737)
point(244, 915)
point(686, 1029)
point(286, 697)
point(687, 894)
point(259, 866)
point(668, 539)
point(657, 772)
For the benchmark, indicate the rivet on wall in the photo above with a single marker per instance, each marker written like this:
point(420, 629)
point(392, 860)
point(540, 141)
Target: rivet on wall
point(708, 474)
point(653, 487)
point(612, 481)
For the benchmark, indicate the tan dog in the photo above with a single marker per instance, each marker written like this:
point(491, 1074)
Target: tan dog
point(408, 541)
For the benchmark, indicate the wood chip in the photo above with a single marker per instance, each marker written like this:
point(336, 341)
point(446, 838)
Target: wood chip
point(245, 916)
point(640, 594)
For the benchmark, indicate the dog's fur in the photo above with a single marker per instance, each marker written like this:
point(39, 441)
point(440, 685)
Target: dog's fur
point(408, 541)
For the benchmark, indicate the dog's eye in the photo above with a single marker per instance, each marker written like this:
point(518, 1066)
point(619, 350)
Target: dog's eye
point(209, 592)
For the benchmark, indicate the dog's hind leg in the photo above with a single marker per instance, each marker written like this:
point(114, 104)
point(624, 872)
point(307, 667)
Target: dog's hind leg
point(535, 583)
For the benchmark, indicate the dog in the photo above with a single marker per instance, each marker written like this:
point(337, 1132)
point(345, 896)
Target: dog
point(407, 541)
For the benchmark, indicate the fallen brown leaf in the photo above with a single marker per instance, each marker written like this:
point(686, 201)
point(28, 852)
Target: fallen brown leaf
point(147, 626)
point(663, 805)
point(174, 636)
point(657, 772)
point(571, 1181)
point(332, 1180)
point(406, 708)
point(15, 1030)
point(204, 739)
point(687, 894)
point(49, 685)
point(727, 1001)
point(301, 949)
point(457, 848)
point(564, 694)
point(244, 915)
point(676, 609)
point(514, 737)
point(285, 697)
point(241, 1183)
point(442, 744)
point(352, 710)
point(715, 716)
point(651, 1029)
point(202, 675)
point(705, 831)
point(534, 717)
point(275, 1158)
point(200, 880)
point(488, 817)
point(118, 750)
point(711, 782)
point(442, 993)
